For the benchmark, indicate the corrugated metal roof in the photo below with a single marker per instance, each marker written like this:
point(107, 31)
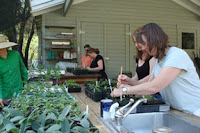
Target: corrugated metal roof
point(39, 7)
point(37, 2)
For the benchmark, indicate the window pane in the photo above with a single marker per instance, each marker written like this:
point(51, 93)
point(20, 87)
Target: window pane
point(187, 40)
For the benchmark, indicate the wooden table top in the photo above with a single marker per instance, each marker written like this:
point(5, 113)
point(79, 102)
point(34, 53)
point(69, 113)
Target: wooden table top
point(70, 75)
point(93, 109)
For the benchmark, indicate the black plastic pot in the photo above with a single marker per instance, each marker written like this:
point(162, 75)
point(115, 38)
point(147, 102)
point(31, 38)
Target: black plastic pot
point(87, 83)
point(125, 100)
point(80, 72)
point(147, 108)
point(75, 89)
point(92, 72)
point(95, 96)
point(150, 106)
point(106, 94)
point(154, 102)
point(70, 70)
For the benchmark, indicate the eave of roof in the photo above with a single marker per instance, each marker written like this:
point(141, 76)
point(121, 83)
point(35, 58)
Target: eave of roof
point(191, 5)
point(45, 6)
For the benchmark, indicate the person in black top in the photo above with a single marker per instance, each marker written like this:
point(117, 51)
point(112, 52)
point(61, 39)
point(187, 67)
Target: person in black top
point(144, 65)
point(97, 62)
point(142, 68)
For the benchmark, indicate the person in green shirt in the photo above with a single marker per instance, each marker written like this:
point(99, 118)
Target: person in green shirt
point(12, 71)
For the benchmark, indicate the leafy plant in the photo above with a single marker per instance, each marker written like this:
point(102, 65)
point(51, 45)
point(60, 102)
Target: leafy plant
point(56, 73)
point(97, 89)
point(70, 81)
point(149, 97)
point(80, 68)
point(51, 73)
point(71, 84)
point(49, 121)
point(38, 109)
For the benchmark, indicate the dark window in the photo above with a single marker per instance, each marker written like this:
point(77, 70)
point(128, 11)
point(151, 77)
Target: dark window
point(187, 40)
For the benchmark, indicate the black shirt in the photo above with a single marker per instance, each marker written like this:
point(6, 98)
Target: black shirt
point(143, 70)
point(94, 64)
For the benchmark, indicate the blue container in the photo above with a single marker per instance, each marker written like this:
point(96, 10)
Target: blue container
point(49, 54)
point(105, 103)
point(53, 55)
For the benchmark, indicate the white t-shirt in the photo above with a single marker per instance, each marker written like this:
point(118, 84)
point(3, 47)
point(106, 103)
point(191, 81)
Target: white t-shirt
point(184, 92)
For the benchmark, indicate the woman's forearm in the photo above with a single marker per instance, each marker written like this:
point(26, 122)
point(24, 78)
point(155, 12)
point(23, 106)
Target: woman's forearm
point(156, 84)
point(133, 81)
point(143, 89)
point(96, 68)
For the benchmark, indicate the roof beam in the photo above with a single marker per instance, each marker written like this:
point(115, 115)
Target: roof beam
point(66, 6)
point(78, 1)
point(68, 3)
point(197, 2)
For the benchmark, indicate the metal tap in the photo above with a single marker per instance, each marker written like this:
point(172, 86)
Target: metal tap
point(121, 110)
point(119, 115)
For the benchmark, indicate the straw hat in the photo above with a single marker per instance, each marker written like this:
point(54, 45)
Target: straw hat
point(4, 43)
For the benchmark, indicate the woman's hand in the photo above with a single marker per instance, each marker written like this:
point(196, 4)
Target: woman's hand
point(119, 85)
point(124, 86)
point(1, 102)
point(89, 68)
point(123, 79)
point(116, 92)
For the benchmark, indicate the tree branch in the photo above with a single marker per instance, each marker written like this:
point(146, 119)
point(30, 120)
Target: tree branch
point(29, 42)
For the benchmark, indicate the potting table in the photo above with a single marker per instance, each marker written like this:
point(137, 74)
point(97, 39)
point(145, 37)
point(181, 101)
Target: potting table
point(93, 109)
point(80, 79)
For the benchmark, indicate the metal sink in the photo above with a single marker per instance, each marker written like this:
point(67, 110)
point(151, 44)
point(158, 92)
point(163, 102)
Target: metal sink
point(146, 122)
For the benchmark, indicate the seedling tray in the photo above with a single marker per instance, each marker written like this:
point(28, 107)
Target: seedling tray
point(80, 72)
point(93, 72)
point(147, 108)
point(86, 92)
point(106, 94)
point(123, 102)
point(95, 96)
point(70, 70)
point(76, 89)
point(150, 107)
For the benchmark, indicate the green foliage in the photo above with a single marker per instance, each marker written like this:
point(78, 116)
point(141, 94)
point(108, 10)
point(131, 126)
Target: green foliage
point(103, 85)
point(63, 123)
point(71, 84)
point(70, 81)
point(39, 110)
point(55, 71)
point(80, 68)
point(30, 98)
point(52, 73)
point(19, 26)
point(149, 97)
point(42, 107)
point(97, 89)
